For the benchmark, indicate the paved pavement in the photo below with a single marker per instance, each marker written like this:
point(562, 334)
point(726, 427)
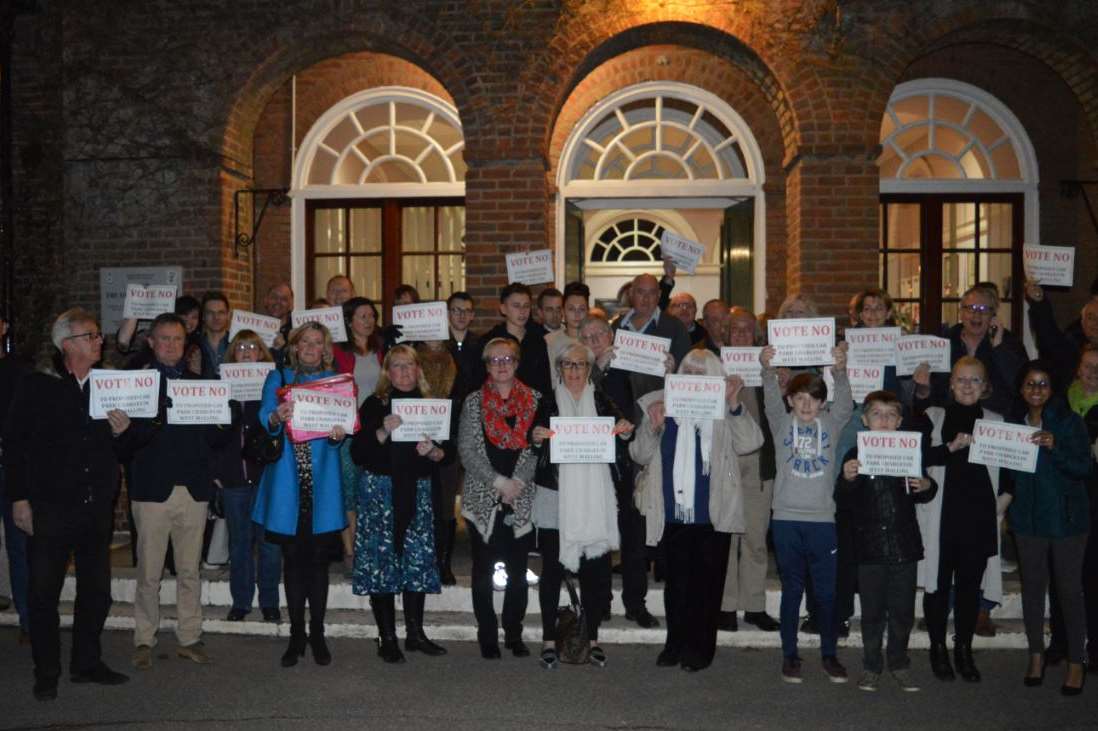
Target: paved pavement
point(246, 689)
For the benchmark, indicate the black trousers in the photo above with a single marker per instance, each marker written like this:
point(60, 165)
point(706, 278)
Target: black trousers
point(888, 599)
point(594, 581)
point(513, 552)
point(634, 552)
point(83, 532)
point(305, 562)
point(962, 568)
point(1058, 639)
point(697, 559)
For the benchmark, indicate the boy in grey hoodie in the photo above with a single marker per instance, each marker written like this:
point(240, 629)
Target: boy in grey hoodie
point(803, 524)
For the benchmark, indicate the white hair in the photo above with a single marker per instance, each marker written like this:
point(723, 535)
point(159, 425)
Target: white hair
point(701, 358)
point(62, 326)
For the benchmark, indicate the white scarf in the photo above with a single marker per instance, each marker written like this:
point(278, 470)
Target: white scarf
point(685, 467)
point(588, 507)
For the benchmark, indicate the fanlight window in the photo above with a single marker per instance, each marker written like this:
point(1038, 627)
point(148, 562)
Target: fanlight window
point(942, 135)
point(628, 241)
point(390, 141)
point(660, 137)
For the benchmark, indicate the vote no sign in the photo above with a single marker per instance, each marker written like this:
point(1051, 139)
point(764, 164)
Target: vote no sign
point(581, 440)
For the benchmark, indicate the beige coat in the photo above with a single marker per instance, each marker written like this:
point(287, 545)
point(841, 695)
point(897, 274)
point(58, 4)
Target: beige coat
point(732, 436)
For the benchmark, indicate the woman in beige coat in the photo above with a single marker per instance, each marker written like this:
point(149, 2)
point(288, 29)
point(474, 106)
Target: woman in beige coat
point(690, 494)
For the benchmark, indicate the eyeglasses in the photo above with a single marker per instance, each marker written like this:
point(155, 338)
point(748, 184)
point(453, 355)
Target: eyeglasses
point(591, 337)
point(573, 365)
point(966, 381)
point(502, 360)
point(247, 346)
point(90, 336)
point(978, 309)
point(1036, 385)
point(461, 311)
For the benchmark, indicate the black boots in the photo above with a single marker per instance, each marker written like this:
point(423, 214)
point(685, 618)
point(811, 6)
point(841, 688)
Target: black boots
point(962, 657)
point(297, 645)
point(321, 654)
point(384, 609)
point(414, 638)
point(444, 548)
point(939, 661)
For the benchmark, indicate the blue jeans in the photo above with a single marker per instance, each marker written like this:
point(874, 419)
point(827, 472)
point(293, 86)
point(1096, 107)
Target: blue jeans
point(16, 542)
point(243, 536)
point(804, 548)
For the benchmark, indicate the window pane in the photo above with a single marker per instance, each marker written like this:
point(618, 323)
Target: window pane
point(366, 275)
point(903, 276)
point(324, 268)
point(328, 231)
point(958, 273)
point(451, 275)
point(951, 312)
point(417, 232)
point(996, 225)
point(996, 268)
point(451, 224)
point(419, 271)
point(903, 226)
point(365, 233)
point(1006, 162)
point(907, 315)
point(959, 226)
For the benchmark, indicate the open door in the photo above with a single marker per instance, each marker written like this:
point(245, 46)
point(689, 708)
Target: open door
point(574, 243)
point(738, 254)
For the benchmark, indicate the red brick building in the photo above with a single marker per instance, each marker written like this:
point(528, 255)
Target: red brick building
point(813, 146)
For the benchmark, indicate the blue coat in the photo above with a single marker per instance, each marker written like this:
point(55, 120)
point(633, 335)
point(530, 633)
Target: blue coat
point(276, 505)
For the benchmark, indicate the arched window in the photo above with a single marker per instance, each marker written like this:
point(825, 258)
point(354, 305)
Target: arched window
point(630, 240)
point(958, 198)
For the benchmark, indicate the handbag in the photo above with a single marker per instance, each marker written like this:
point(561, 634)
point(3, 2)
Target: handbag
point(572, 639)
point(260, 445)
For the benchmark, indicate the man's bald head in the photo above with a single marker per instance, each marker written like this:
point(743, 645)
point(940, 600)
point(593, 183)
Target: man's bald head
point(644, 295)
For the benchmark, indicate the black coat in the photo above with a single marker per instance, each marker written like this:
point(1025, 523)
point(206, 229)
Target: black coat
point(229, 464)
point(881, 516)
point(1002, 364)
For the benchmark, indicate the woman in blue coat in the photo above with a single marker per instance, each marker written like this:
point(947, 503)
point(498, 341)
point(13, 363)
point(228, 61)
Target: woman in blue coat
point(300, 504)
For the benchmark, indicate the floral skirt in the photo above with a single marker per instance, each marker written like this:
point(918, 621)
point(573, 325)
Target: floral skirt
point(379, 569)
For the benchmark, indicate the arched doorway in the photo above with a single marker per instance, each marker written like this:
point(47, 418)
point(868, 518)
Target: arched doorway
point(378, 192)
point(654, 156)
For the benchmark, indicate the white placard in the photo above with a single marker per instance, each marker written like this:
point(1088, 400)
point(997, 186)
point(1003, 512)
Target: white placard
point(422, 321)
point(265, 327)
point(864, 380)
point(890, 453)
point(872, 346)
point(640, 353)
point(1052, 266)
point(422, 417)
point(198, 402)
point(135, 392)
point(694, 397)
point(317, 411)
point(146, 302)
point(743, 362)
point(999, 444)
point(530, 267)
point(802, 342)
point(683, 252)
point(112, 288)
point(245, 379)
point(329, 317)
point(581, 439)
point(911, 350)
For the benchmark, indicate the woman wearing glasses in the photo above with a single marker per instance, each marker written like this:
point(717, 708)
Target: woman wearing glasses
point(959, 526)
point(575, 509)
point(1050, 517)
point(496, 444)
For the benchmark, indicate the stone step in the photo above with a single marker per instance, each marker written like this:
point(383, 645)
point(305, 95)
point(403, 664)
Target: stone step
point(461, 626)
point(215, 593)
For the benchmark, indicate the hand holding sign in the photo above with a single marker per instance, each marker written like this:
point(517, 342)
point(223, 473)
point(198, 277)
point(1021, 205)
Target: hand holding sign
point(802, 342)
point(684, 253)
point(1050, 265)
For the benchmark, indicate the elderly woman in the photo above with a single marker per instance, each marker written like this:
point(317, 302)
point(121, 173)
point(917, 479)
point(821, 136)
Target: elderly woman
point(575, 509)
point(691, 496)
point(1050, 517)
point(496, 446)
point(238, 475)
point(394, 537)
point(299, 504)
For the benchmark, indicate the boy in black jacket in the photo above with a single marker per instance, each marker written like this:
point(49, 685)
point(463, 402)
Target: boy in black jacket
point(887, 547)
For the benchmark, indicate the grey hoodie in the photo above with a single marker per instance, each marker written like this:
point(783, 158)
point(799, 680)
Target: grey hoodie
point(805, 453)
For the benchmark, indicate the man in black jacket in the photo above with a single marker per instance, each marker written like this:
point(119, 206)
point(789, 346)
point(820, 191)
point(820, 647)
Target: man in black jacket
point(515, 302)
point(170, 488)
point(62, 470)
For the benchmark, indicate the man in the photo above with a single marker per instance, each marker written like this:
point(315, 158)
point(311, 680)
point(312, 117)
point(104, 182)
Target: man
point(745, 580)
point(15, 540)
point(214, 340)
point(514, 306)
point(685, 308)
point(279, 303)
point(170, 488)
point(340, 289)
point(715, 319)
point(464, 345)
point(644, 317)
point(1060, 348)
point(62, 472)
point(550, 310)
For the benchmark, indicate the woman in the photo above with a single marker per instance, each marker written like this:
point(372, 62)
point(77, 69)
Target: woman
point(496, 446)
point(394, 537)
point(575, 509)
point(691, 496)
point(959, 526)
point(238, 475)
point(1050, 516)
point(300, 503)
point(1083, 398)
point(361, 357)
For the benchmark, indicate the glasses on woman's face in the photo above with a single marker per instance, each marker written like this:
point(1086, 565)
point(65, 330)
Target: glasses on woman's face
point(92, 336)
point(968, 381)
point(1036, 385)
point(245, 347)
point(979, 309)
point(573, 365)
point(505, 361)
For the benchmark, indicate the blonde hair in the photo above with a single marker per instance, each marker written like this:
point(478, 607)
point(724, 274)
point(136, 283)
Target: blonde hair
point(248, 336)
point(384, 385)
point(295, 337)
point(505, 342)
point(971, 361)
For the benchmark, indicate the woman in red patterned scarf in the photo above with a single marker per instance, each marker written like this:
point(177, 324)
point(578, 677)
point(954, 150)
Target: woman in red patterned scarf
point(497, 449)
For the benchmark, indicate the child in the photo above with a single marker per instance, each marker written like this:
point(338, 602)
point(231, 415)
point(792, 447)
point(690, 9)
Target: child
point(803, 525)
point(887, 546)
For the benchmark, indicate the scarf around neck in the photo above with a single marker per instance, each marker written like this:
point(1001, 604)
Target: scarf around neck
point(685, 462)
point(1081, 402)
point(519, 405)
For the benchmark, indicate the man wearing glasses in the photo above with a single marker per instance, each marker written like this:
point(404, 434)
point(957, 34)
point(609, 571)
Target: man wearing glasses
point(464, 344)
point(62, 470)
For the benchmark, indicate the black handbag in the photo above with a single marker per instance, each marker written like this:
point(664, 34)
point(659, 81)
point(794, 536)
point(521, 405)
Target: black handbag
point(573, 643)
point(260, 445)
